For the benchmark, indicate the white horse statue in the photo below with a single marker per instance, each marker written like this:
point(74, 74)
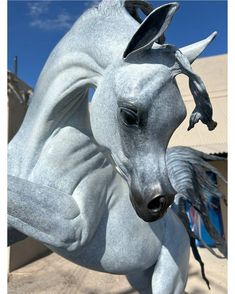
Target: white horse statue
point(97, 185)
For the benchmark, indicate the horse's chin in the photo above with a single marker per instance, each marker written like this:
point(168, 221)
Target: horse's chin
point(151, 217)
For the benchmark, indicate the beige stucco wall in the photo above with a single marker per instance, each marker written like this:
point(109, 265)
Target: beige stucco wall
point(18, 94)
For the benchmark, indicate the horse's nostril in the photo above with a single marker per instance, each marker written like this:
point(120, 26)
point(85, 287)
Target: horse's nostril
point(157, 203)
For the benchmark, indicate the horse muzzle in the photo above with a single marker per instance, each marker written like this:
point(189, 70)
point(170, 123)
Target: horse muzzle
point(154, 209)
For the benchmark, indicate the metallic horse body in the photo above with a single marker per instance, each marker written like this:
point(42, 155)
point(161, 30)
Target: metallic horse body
point(95, 185)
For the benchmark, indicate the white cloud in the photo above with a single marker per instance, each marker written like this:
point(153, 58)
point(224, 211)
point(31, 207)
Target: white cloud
point(62, 21)
point(38, 8)
point(40, 17)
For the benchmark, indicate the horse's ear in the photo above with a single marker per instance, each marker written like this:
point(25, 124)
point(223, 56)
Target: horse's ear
point(152, 28)
point(194, 50)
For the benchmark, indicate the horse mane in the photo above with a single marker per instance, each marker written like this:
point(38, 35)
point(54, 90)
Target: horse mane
point(188, 170)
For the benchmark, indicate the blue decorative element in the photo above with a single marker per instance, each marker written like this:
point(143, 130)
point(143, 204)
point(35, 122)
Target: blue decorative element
point(214, 213)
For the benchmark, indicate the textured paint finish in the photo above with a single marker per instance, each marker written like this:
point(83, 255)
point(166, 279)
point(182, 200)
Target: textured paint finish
point(87, 184)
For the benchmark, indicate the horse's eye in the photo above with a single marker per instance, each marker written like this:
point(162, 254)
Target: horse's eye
point(129, 117)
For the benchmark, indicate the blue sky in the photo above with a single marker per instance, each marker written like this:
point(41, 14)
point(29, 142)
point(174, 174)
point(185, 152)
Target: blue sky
point(35, 27)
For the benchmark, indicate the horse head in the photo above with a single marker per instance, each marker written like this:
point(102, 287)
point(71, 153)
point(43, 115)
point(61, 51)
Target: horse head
point(137, 107)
